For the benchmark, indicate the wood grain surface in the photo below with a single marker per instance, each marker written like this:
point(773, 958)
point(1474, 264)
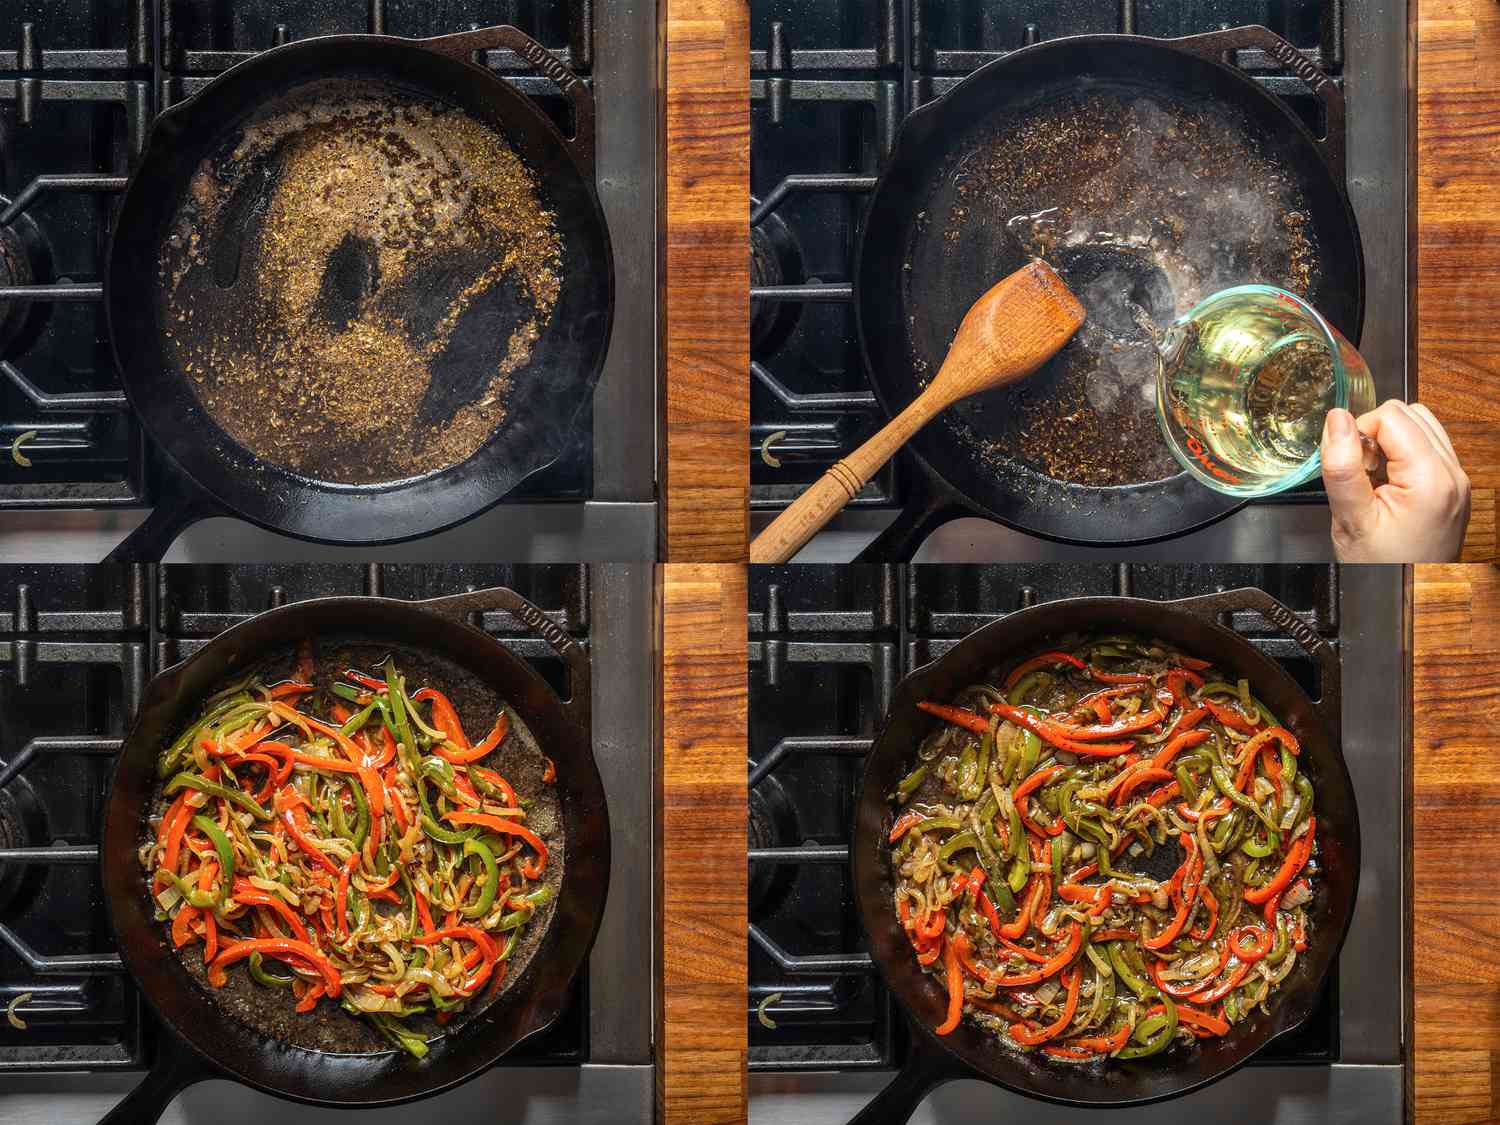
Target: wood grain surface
point(701, 809)
point(704, 446)
point(1456, 838)
point(1458, 241)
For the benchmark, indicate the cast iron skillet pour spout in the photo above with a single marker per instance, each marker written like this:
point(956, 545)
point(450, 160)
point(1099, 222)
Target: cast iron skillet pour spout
point(198, 1039)
point(898, 305)
point(210, 473)
point(1191, 625)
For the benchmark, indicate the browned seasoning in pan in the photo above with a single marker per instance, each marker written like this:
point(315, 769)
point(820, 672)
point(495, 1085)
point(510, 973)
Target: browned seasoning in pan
point(352, 286)
point(1145, 206)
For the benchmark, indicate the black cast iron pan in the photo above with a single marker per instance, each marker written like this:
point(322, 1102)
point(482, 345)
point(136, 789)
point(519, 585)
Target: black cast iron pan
point(199, 1038)
point(1192, 625)
point(901, 311)
point(215, 475)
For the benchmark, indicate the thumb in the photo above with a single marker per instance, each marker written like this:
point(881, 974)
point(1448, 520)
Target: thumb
point(1350, 494)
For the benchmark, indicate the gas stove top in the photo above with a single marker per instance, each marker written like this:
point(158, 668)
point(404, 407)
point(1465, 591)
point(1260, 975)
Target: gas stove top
point(827, 647)
point(85, 79)
point(831, 83)
point(77, 646)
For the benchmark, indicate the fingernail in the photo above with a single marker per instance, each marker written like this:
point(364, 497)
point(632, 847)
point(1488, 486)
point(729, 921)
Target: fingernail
point(1340, 424)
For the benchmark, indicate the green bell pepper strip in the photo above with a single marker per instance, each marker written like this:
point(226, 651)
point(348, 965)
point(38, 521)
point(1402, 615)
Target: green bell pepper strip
point(1226, 786)
point(1232, 1007)
point(1283, 943)
point(1252, 846)
point(1024, 685)
point(937, 824)
point(1186, 784)
point(999, 892)
point(1017, 835)
point(1020, 874)
point(357, 721)
point(486, 899)
point(1059, 853)
point(520, 917)
point(172, 757)
point(1031, 749)
point(262, 976)
point(904, 789)
point(350, 692)
point(510, 945)
point(968, 772)
point(215, 834)
point(361, 813)
point(957, 843)
point(1133, 980)
point(396, 701)
point(189, 780)
point(1153, 1033)
point(982, 769)
point(440, 773)
point(203, 900)
point(409, 1041)
point(443, 835)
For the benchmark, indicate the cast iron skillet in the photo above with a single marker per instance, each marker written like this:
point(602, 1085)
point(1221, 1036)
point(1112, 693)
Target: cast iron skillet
point(217, 476)
point(199, 1039)
point(950, 480)
point(1192, 625)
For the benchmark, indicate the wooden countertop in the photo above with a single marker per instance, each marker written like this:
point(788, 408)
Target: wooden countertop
point(701, 1035)
point(1456, 837)
point(1458, 241)
point(705, 469)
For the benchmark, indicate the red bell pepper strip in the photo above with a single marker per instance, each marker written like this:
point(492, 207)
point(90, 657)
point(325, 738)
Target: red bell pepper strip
point(507, 827)
point(1296, 858)
point(1118, 677)
point(1229, 716)
point(1053, 965)
point(310, 998)
point(445, 718)
point(1214, 811)
point(1138, 778)
point(289, 805)
point(480, 749)
point(1056, 737)
point(1175, 745)
point(1188, 875)
point(549, 773)
point(1074, 1054)
point(1105, 1044)
point(1250, 943)
point(1226, 986)
point(182, 926)
point(498, 782)
point(904, 822)
point(955, 989)
point(956, 715)
point(290, 687)
point(1027, 1037)
point(356, 676)
point(1177, 680)
point(1276, 734)
point(1187, 721)
point(1205, 931)
point(1177, 991)
point(281, 948)
point(1206, 1021)
point(1159, 797)
point(1045, 660)
point(1115, 935)
point(1128, 724)
point(1022, 792)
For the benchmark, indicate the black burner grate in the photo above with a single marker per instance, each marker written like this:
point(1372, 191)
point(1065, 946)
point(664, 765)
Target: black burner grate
point(831, 82)
point(827, 646)
point(77, 645)
point(86, 78)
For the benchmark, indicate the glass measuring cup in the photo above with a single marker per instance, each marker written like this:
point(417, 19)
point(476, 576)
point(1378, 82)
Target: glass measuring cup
point(1244, 381)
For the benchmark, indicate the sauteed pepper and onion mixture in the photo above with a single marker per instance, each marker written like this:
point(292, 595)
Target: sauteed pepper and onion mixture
point(1020, 834)
point(352, 836)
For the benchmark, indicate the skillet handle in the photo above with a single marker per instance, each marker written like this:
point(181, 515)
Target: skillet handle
point(926, 1068)
point(176, 1068)
point(1330, 668)
point(927, 508)
point(459, 606)
point(1213, 45)
point(178, 506)
point(463, 44)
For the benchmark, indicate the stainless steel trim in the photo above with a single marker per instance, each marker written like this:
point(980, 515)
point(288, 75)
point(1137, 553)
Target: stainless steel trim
point(592, 531)
point(1283, 1095)
point(622, 637)
point(625, 90)
point(587, 1095)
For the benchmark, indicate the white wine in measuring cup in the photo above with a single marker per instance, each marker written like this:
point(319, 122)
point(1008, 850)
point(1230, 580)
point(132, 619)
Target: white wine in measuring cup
point(1245, 380)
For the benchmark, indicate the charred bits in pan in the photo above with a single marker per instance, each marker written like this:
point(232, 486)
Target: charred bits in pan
point(352, 283)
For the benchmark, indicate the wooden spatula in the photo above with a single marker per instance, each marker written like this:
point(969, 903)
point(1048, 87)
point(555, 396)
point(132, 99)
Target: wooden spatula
point(1013, 329)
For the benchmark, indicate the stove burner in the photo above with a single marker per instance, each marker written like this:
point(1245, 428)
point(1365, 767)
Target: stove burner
point(772, 824)
point(775, 259)
point(22, 824)
point(25, 259)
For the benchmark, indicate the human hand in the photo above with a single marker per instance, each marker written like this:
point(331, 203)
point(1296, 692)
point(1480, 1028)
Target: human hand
point(1420, 514)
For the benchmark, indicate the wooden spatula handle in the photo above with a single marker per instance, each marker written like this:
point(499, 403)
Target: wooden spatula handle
point(786, 534)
